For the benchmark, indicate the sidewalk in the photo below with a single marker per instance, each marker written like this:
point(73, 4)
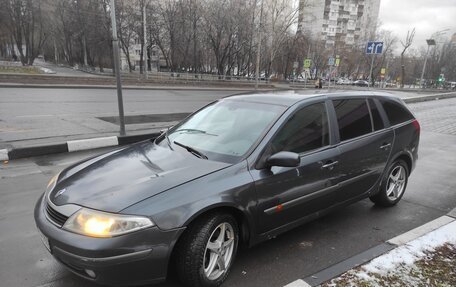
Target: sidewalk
point(424, 256)
point(429, 260)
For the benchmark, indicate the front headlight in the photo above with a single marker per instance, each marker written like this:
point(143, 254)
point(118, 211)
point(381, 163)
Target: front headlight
point(102, 224)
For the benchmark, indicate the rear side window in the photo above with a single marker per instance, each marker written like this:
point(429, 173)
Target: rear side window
point(376, 118)
point(353, 118)
point(306, 130)
point(396, 112)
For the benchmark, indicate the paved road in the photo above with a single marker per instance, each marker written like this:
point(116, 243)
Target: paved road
point(42, 116)
point(33, 116)
point(295, 254)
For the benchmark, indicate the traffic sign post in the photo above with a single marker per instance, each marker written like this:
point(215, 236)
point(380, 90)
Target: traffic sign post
point(382, 76)
point(307, 63)
point(331, 62)
point(373, 48)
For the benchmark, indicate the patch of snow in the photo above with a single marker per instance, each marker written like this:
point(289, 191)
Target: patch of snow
point(409, 253)
point(46, 70)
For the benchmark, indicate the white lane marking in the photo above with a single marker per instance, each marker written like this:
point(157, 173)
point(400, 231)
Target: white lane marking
point(92, 143)
point(4, 154)
point(298, 283)
point(421, 230)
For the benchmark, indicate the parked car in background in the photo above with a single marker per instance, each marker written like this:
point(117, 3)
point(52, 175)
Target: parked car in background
point(344, 81)
point(361, 83)
point(241, 170)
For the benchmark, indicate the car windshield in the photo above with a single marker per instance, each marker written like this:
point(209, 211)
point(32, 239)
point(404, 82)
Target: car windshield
point(225, 130)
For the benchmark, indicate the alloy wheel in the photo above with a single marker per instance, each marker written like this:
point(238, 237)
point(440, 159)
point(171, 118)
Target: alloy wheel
point(219, 251)
point(396, 183)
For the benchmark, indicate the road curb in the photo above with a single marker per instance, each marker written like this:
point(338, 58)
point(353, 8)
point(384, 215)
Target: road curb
point(73, 145)
point(129, 87)
point(372, 253)
point(432, 97)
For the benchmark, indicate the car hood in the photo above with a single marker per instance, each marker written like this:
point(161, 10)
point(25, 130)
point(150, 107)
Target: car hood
point(116, 180)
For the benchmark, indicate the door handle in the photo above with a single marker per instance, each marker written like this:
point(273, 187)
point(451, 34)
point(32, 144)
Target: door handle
point(329, 164)
point(385, 146)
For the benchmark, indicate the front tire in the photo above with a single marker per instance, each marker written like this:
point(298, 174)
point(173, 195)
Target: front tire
point(393, 185)
point(207, 250)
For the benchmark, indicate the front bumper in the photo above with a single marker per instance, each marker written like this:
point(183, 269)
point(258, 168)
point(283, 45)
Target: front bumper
point(132, 259)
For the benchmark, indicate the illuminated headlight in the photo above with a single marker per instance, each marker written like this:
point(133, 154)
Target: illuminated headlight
point(102, 224)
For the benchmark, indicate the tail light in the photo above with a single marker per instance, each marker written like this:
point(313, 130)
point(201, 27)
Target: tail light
point(417, 126)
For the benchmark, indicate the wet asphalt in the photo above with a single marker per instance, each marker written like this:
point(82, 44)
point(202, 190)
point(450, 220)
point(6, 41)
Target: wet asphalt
point(24, 261)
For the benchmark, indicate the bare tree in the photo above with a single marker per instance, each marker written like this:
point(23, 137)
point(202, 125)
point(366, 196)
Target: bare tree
point(26, 23)
point(405, 45)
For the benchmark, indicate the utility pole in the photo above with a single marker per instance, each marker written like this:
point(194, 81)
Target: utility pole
point(257, 68)
point(115, 46)
point(145, 40)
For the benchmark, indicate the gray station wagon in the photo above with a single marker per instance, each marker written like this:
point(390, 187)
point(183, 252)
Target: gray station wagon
point(242, 169)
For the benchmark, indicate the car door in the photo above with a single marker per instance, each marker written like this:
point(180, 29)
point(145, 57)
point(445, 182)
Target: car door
point(364, 145)
point(287, 194)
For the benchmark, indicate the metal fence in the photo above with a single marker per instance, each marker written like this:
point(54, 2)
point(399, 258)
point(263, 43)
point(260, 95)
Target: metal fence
point(181, 77)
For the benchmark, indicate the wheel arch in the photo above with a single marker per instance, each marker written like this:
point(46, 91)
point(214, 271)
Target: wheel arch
point(241, 218)
point(240, 215)
point(406, 157)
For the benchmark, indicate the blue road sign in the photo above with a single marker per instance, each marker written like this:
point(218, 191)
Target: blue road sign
point(374, 47)
point(331, 61)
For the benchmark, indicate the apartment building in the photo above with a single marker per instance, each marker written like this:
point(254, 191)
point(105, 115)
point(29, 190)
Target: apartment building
point(339, 22)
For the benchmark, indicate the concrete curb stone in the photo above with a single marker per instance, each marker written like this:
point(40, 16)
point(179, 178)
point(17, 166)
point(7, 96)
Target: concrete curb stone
point(74, 145)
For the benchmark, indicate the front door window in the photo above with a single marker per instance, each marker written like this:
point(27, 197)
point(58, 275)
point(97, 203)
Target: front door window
point(306, 130)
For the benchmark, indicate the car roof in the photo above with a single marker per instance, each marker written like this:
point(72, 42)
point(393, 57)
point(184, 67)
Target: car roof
point(290, 97)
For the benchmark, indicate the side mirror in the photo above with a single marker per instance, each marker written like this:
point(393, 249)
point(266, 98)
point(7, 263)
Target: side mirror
point(284, 159)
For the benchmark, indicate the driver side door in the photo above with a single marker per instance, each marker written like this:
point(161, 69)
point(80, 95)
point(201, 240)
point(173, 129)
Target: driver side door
point(287, 194)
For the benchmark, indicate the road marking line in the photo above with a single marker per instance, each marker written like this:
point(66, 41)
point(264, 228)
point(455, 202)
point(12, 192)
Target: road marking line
point(421, 230)
point(298, 283)
point(4, 154)
point(92, 143)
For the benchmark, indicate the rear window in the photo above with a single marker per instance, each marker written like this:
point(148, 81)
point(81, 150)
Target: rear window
point(353, 118)
point(396, 112)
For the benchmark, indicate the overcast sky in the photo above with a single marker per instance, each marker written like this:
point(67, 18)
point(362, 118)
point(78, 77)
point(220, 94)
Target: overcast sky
point(427, 16)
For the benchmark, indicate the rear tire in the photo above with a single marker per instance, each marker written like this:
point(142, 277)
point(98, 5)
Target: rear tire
point(204, 255)
point(393, 185)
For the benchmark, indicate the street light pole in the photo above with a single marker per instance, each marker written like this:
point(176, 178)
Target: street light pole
point(115, 46)
point(424, 66)
point(430, 42)
point(145, 41)
point(257, 68)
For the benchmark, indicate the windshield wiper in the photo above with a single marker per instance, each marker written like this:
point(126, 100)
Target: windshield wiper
point(195, 131)
point(167, 139)
point(191, 150)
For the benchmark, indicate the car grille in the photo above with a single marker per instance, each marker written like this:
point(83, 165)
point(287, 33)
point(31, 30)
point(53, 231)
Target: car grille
point(54, 216)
